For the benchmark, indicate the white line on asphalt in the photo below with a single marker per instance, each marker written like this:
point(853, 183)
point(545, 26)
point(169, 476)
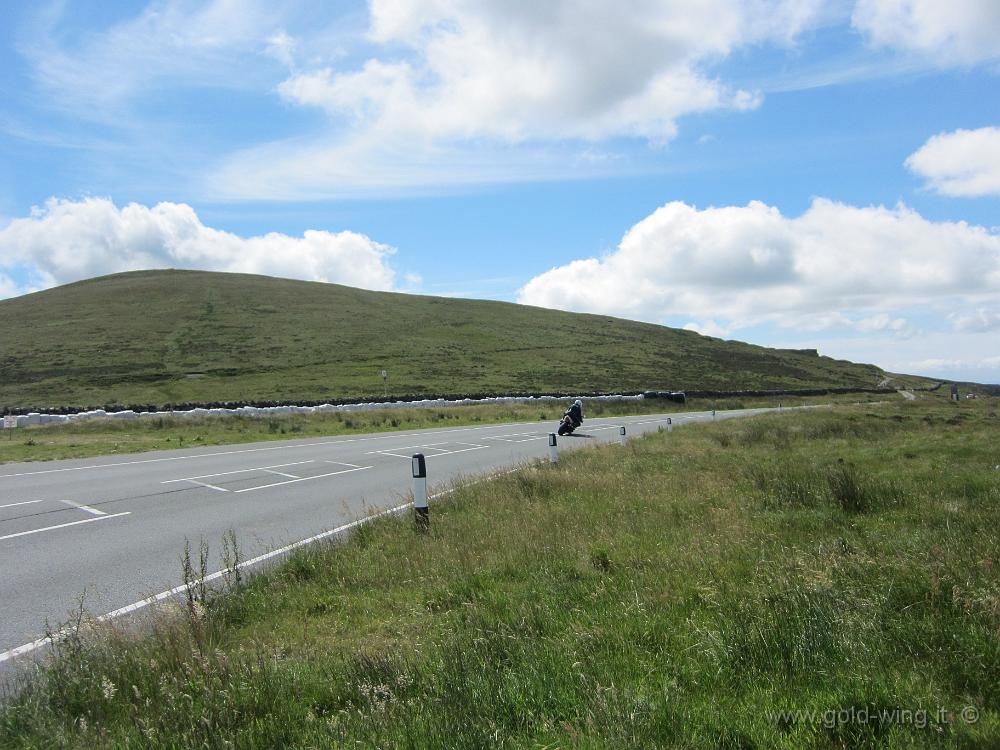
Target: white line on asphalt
point(64, 525)
point(206, 484)
point(84, 508)
point(280, 473)
point(341, 463)
point(301, 479)
point(26, 502)
point(237, 471)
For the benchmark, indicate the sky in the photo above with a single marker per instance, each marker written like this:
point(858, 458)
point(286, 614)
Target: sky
point(792, 173)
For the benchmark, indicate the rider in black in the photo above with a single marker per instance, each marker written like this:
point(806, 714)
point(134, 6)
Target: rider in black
point(576, 413)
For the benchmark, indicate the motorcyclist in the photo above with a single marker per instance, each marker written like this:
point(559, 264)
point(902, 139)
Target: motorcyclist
point(575, 413)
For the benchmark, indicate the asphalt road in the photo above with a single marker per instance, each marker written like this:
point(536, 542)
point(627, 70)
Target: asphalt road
point(113, 529)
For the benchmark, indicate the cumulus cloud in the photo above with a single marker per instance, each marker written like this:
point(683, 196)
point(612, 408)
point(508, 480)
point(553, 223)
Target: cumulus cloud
point(962, 163)
point(458, 91)
point(958, 32)
point(516, 71)
point(65, 241)
point(738, 266)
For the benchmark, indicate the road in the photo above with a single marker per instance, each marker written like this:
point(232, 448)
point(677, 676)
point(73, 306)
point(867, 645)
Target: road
point(113, 529)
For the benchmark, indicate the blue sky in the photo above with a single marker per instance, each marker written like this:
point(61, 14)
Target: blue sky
point(785, 172)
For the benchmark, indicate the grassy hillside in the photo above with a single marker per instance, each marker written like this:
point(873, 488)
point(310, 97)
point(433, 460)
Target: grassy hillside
point(156, 337)
point(819, 580)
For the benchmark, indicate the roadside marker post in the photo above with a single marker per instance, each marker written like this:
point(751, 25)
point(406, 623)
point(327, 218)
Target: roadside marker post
point(421, 513)
point(670, 424)
point(553, 450)
point(621, 433)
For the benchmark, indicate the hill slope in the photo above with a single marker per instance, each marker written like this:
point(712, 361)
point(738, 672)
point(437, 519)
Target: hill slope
point(173, 336)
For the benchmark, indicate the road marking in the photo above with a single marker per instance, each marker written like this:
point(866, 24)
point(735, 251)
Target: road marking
point(103, 517)
point(279, 473)
point(26, 502)
point(84, 508)
point(237, 471)
point(301, 479)
point(206, 484)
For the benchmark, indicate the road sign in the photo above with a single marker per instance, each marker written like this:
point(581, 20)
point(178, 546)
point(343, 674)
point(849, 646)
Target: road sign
point(9, 422)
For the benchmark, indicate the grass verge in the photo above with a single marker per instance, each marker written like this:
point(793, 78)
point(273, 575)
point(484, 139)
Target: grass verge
point(824, 579)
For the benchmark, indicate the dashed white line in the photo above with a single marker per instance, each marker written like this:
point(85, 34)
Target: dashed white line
point(26, 502)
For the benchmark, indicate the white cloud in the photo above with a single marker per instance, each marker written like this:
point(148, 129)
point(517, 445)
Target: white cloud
point(962, 163)
point(742, 265)
point(709, 328)
point(957, 32)
point(458, 91)
point(69, 240)
point(983, 363)
point(980, 320)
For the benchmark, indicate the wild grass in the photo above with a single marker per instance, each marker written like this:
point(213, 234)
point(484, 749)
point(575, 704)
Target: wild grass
point(677, 592)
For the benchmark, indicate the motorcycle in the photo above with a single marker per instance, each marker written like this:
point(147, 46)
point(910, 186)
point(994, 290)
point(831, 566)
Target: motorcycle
point(566, 425)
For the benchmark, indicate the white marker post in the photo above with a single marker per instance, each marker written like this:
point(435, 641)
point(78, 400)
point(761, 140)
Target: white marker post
point(621, 434)
point(670, 425)
point(553, 450)
point(421, 513)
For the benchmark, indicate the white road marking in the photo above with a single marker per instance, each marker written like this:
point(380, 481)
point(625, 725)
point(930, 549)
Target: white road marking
point(64, 525)
point(26, 502)
point(84, 508)
point(206, 484)
point(237, 471)
point(301, 479)
point(280, 473)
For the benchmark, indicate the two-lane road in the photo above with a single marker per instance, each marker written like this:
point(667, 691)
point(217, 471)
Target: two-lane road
point(112, 529)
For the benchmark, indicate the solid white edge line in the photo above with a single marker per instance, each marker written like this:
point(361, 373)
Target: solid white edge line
point(104, 517)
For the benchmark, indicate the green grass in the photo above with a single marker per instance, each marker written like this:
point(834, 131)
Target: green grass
point(101, 437)
point(157, 337)
point(688, 590)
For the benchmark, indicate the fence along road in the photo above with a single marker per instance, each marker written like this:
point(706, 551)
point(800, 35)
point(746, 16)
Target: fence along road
point(112, 530)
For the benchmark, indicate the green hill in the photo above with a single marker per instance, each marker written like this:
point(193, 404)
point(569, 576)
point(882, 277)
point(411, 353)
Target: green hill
point(157, 337)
